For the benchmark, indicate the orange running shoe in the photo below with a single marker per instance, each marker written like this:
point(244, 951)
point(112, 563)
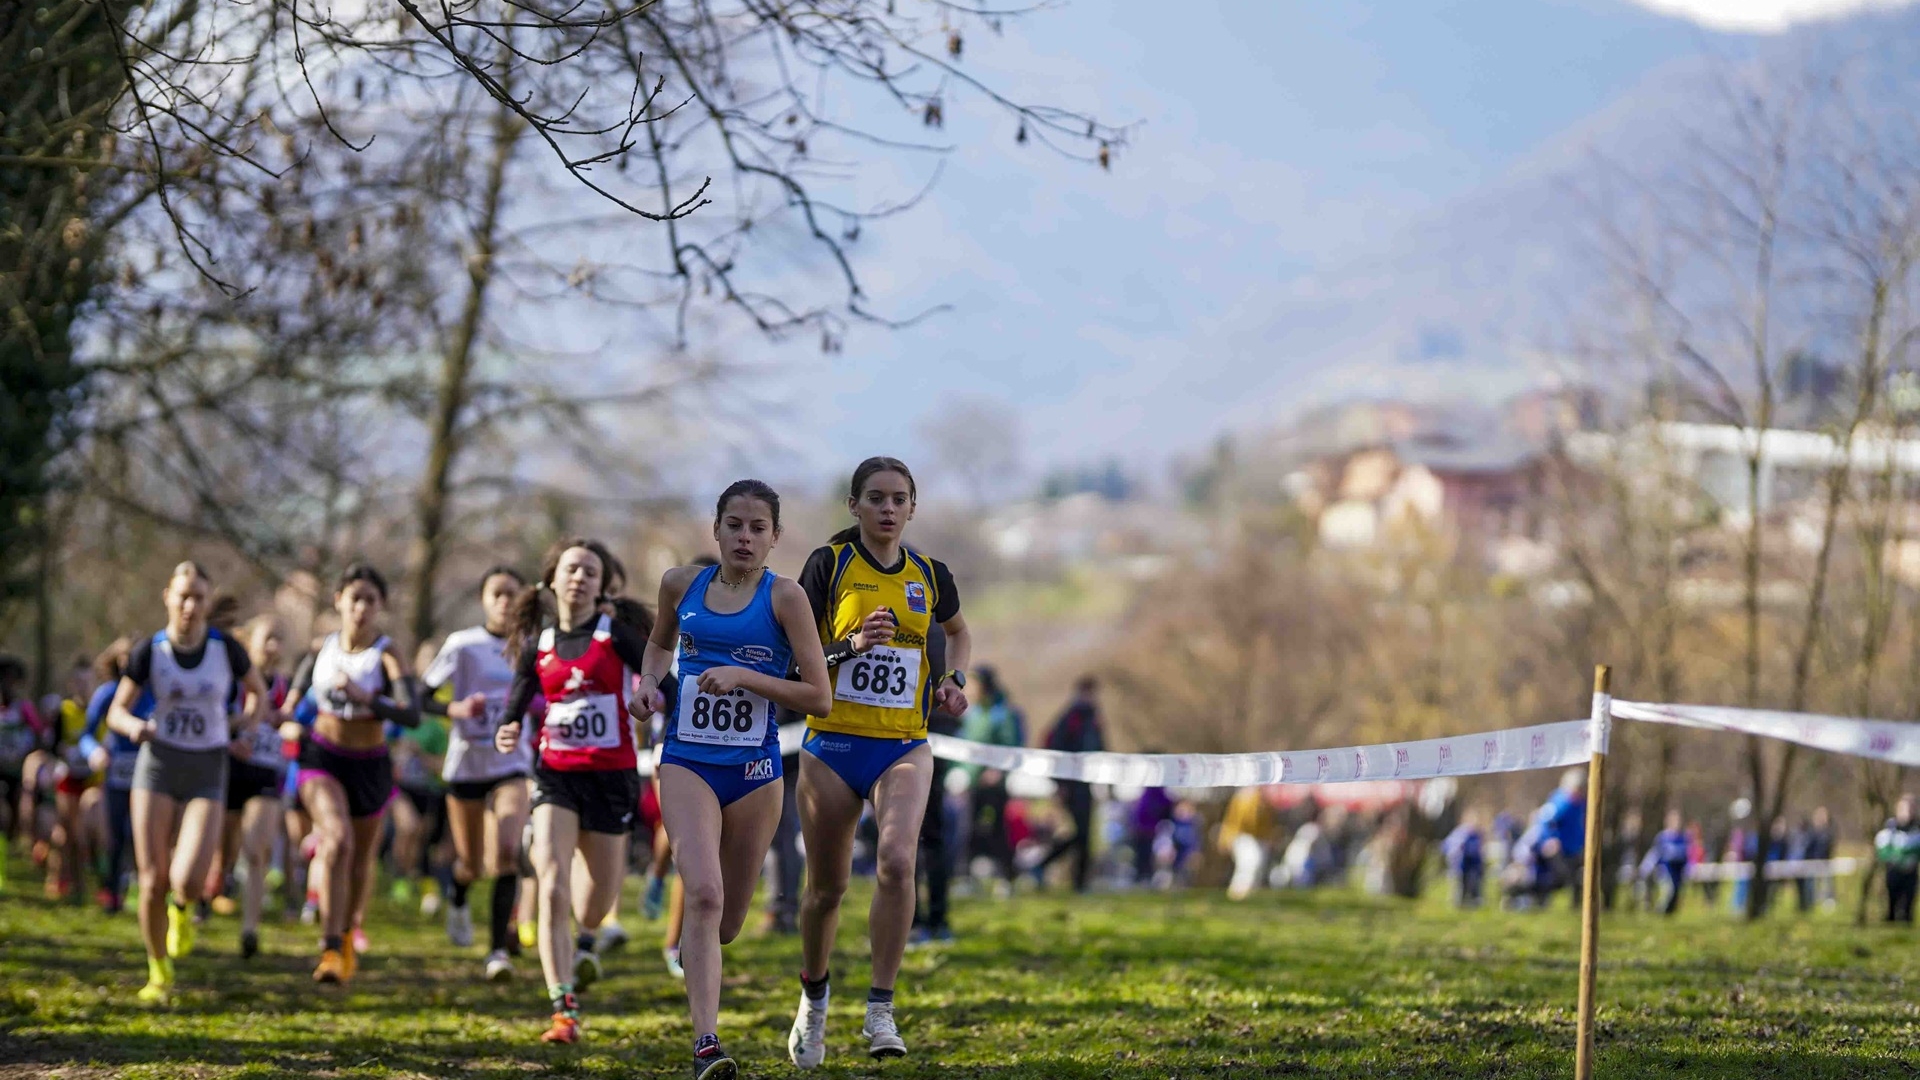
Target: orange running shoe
point(352, 957)
point(565, 1029)
point(332, 969)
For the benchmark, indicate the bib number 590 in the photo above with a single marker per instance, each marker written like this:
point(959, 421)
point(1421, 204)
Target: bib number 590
point(587, 725)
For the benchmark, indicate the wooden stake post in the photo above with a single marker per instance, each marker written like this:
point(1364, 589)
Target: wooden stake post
point(1590, 874)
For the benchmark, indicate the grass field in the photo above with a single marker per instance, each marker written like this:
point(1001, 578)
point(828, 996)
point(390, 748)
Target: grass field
point(1137, 987)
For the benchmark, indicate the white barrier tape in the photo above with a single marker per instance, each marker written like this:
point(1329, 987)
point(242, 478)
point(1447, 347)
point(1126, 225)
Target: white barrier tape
point(1779, 870)
point(1880, 740)
point(1602, 722)
point(1544, 746)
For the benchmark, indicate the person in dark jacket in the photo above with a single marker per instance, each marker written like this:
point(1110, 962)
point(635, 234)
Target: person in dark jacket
point(1667, 859)
point(1077, 732)
point(935, 864)
point(1816, 845)
point(1897, 845)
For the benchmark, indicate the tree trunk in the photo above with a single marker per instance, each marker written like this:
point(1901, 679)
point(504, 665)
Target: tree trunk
point(446, 439)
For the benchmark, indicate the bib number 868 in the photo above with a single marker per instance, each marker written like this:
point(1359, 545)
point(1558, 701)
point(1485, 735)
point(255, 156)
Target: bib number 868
point(722, 713)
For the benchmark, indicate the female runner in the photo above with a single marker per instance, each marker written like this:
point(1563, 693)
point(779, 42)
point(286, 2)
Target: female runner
point(254, 782)
point(586, 779)
point(873, 600)
point(357, 683)
point(486, 789)
point(732, 630)
point(194, 673)
point(116, 759)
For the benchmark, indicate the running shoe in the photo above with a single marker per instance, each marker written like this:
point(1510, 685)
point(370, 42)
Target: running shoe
point(881, 1033)
point(179, 932)
point(202, 911)
point(529, 935)
point(159, 986)
point(401, 891)
point(430, 902)
point(672, 955)
point(249, 944)
point(586, 969)
point(332, 969)
point(654, 900)
point(108, 902)
point(499, 967)
point(460, 926)
point(612, 937)
point(712, 1063)
point(310, 911)
point(807, 1042)
point(358, 939)
point(352, 956)
point(224, 905)
point(565, 1030)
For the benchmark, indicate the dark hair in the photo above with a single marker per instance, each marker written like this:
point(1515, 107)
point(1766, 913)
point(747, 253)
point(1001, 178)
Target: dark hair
point(189, 568)
point(112, 661)
point(1086, 684)
point(748, 489)
point(359, 571)
point(501, 570)
point(864, 472)
point(989, 681)
point(224, 612)
point(534, 606)
point(704, 560)
point(633, 613)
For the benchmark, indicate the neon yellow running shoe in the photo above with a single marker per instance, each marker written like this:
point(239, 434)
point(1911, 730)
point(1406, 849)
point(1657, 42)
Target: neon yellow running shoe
point(529, 935)
point(159, 986)
point(179, 931)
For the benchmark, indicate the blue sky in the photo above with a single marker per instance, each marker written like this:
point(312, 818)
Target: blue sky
point(1285, 148)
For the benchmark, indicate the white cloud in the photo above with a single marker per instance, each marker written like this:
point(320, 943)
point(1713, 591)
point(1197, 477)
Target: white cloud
point(1763, 16)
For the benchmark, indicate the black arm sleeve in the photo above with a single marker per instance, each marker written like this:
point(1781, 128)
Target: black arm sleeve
point(430, 703)
point(400, 708)
point(526, 683)
point(947, 604)
point(629, 646)
point(816, 577)
point(140, 662)
point(302, 679)
point(237, 657)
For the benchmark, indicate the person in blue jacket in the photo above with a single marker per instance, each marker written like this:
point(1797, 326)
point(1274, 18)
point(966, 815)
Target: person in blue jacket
point(1563, 819)
point(1667, 857)
point(114, 757)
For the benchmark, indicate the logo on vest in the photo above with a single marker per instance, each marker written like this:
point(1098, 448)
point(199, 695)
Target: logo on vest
point(916, 597)
point(753, 654)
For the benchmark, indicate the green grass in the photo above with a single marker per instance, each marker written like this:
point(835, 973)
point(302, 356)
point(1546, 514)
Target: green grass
point(1134, 987)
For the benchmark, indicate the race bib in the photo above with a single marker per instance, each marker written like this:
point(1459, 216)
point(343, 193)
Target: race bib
point(588, 723)
point(263, 747)
point(480, 729)
point(735, 719)
point(884, 677)
point(120, 770)
point(188, 727)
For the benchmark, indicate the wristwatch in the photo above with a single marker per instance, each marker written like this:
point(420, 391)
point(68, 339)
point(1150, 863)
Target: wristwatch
point(959, 678)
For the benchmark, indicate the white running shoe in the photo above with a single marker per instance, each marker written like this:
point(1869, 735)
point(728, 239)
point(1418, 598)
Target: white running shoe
point(612, 936)
point(807, 1042)
point(882, 1034)
point(499, 967)
point(674, 967)
point(430, 902)
point(460, 925)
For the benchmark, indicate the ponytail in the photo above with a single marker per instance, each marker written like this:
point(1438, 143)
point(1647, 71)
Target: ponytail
point(532, 607)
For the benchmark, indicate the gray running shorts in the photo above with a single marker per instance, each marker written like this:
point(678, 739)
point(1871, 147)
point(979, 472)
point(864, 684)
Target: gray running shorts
point(182, 775)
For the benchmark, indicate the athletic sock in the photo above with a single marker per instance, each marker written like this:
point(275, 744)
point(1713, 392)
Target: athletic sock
point(561, 995)
point(585, 942)
point(459, 893)
point(334, 943)
point(815, 989)
point(506, 894)
point(877, 996)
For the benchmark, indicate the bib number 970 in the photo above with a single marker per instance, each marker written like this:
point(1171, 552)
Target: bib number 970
point(886, 678)
point(589, 723)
